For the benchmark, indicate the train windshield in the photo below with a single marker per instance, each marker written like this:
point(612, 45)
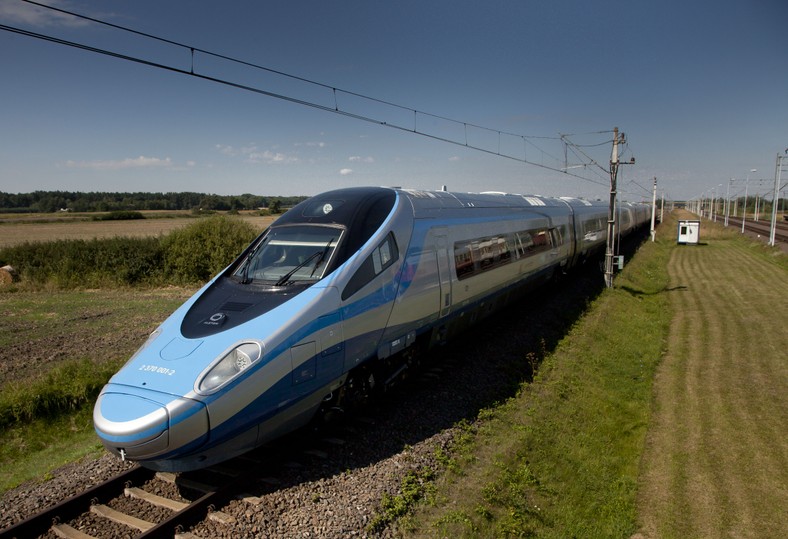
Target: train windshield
point(290, 254)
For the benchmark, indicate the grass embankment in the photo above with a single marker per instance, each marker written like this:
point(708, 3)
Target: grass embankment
point(561, 459)
point(716, 462)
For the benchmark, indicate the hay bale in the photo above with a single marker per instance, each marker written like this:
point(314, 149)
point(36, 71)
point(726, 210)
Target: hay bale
point(7, 275)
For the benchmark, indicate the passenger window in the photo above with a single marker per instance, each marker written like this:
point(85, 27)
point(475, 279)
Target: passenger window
point(381, 258)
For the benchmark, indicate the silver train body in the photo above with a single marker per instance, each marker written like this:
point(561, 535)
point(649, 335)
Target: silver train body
point(339, 286)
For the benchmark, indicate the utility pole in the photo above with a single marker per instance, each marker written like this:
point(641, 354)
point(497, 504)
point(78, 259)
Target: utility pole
point(611, 218)
point(777, 170)
point(746, 187)
point(653, 209)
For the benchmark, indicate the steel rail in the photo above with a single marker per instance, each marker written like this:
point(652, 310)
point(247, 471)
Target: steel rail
point(74, 506)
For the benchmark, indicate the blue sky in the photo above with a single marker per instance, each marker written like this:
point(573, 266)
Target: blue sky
point(699, 87)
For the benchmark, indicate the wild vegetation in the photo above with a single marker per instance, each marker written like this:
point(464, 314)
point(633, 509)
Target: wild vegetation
point(185, 256)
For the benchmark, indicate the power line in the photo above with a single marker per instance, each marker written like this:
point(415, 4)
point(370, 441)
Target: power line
point(525, 140)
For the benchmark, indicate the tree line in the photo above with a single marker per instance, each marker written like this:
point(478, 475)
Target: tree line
point(53, 201)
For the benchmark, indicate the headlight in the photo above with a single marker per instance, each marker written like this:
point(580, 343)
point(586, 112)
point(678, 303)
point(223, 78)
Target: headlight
point(229, 366)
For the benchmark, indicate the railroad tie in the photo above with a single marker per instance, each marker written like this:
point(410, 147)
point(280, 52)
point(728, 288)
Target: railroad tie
point(121, 518)
point(67, 532)
point(159, 501)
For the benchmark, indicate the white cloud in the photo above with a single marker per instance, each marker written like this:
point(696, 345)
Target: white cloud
point(271, 158)
point(252, 154)
point(346, 171)
point(233, 151)
point(311, 144)
point(359, 159)
point(17, 12)
point(454, 158)
point(129, 162)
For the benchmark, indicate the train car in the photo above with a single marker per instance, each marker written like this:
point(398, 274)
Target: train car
point(329, 304)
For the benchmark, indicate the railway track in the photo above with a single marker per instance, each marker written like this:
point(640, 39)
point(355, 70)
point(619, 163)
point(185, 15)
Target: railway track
point(761, 227)
point(140, 503)
point(144, 504)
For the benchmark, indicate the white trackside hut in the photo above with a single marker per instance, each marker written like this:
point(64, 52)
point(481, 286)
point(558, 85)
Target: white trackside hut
point(688, 232)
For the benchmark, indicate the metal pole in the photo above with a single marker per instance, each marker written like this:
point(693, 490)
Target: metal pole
point(653, 208)
point(777, 170)
point(744, 210)
point(728, 201)
point(611, 216)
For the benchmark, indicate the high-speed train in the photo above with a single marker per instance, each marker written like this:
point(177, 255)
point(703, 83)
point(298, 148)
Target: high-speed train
point(329, 303)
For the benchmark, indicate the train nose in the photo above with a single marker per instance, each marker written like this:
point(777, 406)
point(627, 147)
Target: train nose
point(139, 424)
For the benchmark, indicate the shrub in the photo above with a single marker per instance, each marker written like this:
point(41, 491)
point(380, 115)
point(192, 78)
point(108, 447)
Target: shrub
point(190, 255)
point(119, 215)
point(73, 263)
point(201, 250)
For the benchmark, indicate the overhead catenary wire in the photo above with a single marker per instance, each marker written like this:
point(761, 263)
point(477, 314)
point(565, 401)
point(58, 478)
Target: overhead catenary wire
point(336, 108)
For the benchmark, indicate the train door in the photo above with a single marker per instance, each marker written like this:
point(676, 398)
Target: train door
point(320, 360)
point(367, 301)
point(571, 239)
point(444, 270)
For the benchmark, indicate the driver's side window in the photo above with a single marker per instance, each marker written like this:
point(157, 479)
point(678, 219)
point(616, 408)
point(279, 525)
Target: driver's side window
point(384, 255)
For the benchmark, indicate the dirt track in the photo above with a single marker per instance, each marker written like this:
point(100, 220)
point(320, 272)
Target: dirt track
point(716, 461)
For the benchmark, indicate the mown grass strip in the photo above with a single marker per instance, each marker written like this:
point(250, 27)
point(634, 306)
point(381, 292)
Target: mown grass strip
point(716, 463)
point(562, 458)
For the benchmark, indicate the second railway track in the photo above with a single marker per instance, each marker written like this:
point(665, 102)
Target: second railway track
point(761, 227)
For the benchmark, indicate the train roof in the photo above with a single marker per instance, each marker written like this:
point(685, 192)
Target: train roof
point(444, 200)
point(346, 206)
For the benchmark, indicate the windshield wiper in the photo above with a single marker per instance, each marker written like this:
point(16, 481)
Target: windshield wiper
point(322, 256)
point(248, 262)
point(286, 277)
